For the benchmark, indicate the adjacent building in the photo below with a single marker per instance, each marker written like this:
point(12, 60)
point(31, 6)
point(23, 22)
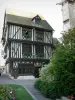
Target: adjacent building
point(68, 13)
point(27, 44)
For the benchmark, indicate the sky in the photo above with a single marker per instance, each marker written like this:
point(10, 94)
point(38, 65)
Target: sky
point(47, 8)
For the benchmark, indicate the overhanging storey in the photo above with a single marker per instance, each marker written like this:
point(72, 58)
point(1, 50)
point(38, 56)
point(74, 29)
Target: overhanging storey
point(27, 45)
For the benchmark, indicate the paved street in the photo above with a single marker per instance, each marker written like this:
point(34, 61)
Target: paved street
point(27, 83)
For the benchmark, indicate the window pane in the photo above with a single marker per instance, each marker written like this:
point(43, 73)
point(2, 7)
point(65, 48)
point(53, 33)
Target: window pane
point(23, 70)
point(26, 33)
point(20, 71)
point(39, 50)
point(26, 50)
point(39, 35)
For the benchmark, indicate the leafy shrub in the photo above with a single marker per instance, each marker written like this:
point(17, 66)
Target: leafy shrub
point(50, 90)
point(38, 83)
point(42, 86)
point(58, 78)
point(46, 74)
point(5, 93)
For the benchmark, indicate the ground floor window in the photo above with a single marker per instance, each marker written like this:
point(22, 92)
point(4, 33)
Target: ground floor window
point(26, 69)
point(20, 70)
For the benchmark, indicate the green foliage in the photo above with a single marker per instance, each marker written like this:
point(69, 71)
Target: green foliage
point(50, 90)
point(38, 83)
point(58, 78)
point(46, 74)
point(20, 93)
point(68, 38)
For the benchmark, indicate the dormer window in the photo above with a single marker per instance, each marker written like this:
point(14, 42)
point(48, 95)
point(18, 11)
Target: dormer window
point(36, 19)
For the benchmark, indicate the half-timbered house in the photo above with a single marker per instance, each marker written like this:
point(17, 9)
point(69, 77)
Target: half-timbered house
point(27, 44)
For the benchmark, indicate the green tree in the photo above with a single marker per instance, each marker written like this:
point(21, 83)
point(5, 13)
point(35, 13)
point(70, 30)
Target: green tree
point(63, 63)
point(68, 38)
point(58, 77)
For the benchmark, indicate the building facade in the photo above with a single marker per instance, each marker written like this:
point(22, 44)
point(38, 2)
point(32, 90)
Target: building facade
point(27, 44)
point(68, 13)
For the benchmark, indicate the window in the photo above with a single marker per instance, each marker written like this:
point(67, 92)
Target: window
point(25, 69)
point(26, 50)
point(26, 33)
point(37, 19)
point(20, 70)
point(39, 50)
point(40, 36)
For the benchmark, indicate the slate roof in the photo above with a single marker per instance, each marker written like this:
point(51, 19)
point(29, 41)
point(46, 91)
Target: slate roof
point(28, 22)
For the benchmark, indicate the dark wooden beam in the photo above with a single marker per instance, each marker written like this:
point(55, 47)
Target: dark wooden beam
point(29, 42)
point(9, 45)
point(48, 30)
point(25, 59)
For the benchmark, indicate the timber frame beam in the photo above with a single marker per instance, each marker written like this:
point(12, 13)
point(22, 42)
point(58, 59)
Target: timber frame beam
point(29, 42)
point(23, 59)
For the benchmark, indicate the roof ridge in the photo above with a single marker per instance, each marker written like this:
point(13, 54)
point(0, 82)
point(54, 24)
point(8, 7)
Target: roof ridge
point(21, 20)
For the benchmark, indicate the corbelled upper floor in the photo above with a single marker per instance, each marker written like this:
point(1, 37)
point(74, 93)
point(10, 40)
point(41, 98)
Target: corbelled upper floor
point(24, 28)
